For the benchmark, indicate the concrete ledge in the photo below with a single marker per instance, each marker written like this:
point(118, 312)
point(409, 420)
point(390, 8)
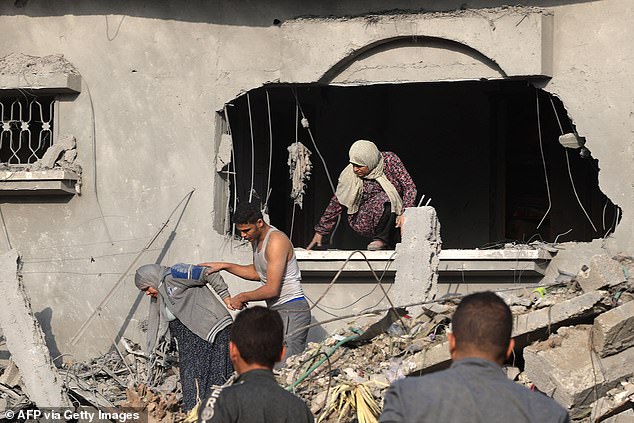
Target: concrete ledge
point(475, 262)
point(39, 182)
point(53, 83)
point(52, 73)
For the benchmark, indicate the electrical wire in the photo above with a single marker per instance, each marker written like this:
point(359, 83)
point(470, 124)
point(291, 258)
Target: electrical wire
point(296, 125)
point(252, 148)
point(541, 149)
point(377, 311)
point(323, 161)
point(572, 182)
point(4, 227)
point(310, 133)
point(268, 185)
point(94, 161)
point(110, 294)
point(385, 295)
point(235, 172)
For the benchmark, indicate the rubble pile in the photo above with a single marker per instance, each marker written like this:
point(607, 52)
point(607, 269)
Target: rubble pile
point(116, 379)
point(574, 340)
point(362, 364)
point(12, 392)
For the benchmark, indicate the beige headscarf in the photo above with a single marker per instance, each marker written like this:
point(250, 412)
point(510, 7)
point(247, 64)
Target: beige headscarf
point(350, 186)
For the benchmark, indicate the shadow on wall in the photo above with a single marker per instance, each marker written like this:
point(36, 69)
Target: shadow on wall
point(44, 317)
point(242, 13)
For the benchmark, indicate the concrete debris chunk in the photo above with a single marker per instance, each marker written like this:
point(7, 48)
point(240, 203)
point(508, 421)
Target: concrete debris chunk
point(618, 401)
point(626, 416)
point(11, 376)
point(223, 156)
point(601, 273)
point(559, 314)
point(25, 339)
point(417, 257)
point(566, 368)
point(511, 372)
point(613, 331)
point(60, 147)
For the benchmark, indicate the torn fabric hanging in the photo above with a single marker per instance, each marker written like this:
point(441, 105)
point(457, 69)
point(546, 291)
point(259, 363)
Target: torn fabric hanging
point(300, 168)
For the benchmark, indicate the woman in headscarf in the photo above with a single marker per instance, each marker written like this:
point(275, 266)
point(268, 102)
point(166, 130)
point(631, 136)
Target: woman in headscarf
point(375, 188)
point(182, 306)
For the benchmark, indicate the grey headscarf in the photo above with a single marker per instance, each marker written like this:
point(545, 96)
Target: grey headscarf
point(147, 276)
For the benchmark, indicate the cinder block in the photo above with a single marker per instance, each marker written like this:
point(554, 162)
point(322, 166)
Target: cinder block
point(613, 331)
point(566, 368)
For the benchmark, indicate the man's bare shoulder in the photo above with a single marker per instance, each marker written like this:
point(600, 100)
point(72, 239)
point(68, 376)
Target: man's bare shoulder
point(279, 237)
point(279, 241)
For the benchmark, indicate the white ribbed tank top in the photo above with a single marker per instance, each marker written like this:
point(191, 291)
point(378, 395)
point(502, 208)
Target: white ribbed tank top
point(291, 282)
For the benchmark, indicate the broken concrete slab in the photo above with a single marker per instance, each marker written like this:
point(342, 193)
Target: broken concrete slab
point(417, 257)
point(613, 331)
point(25, 339)
point(526, 328)
point(616, 402)
point(566, 368)
point(602, 272)
point(11, 376)
point(626, 416)
point(434, 358)
point(52, 154)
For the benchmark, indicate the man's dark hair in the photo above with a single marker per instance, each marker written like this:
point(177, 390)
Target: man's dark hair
point(483, 322)
point(258, 333)
point(246, 213)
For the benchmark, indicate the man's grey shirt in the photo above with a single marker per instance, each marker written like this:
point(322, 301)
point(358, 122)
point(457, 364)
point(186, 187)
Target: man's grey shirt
point(471, 390)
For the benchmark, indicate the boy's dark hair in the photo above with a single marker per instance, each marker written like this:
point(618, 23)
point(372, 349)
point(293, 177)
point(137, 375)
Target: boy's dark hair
point(483, 322)
point(246, 213)
point(258, 333)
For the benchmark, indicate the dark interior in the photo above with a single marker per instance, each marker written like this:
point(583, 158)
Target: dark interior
point(472, 147)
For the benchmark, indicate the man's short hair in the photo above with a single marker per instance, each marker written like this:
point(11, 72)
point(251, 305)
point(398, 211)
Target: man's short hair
point(258, 333)
point(483, 322)
point(246, 213)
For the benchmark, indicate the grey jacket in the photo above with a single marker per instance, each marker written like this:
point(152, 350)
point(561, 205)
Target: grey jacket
point(193, 303)
point(473, 390)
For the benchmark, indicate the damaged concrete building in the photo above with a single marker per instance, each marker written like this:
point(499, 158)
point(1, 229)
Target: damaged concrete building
point(130, 129)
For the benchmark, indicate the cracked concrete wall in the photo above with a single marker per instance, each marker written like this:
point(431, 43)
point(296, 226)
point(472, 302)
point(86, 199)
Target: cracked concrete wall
point(153, 74)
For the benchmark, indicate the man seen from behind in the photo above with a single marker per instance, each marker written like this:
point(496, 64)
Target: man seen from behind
point(255, 345)
point(475, 388)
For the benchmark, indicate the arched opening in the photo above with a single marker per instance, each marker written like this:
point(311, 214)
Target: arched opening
point(473, 147)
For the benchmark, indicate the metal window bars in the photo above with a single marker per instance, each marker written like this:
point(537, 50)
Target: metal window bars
point(27, 129)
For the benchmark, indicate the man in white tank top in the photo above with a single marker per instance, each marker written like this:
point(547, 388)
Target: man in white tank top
point(275, 266)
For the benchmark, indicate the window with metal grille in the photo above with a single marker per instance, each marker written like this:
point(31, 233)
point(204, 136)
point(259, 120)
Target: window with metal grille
point(27, 128)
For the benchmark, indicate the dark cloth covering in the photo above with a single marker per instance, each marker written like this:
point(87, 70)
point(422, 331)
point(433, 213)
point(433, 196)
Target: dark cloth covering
point(201, 363)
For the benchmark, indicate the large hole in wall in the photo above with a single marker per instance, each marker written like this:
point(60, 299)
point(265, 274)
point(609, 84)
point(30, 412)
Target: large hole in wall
point(472, 147)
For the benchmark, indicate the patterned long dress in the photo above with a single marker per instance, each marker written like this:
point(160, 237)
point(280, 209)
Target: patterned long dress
point(373, 199)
